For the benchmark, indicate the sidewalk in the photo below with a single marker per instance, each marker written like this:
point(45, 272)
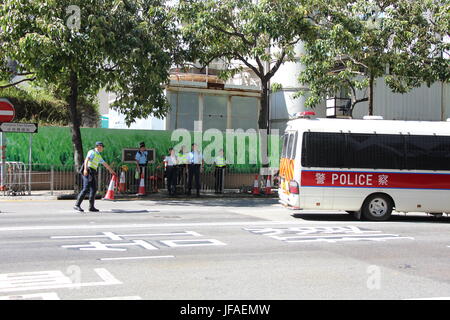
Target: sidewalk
point(162, 195)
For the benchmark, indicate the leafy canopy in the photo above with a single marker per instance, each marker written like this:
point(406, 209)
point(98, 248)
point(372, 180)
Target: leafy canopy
point(359, 41)
point(123, 46)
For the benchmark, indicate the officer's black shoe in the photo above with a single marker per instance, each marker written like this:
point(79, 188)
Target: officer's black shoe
point(93, 209)
point(78, 208)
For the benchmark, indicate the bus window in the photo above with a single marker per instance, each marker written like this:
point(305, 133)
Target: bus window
point(285, 141)
point(428, 152)
point(324, 149)
point(294, 146)
point(384, 151)
point(289, 146)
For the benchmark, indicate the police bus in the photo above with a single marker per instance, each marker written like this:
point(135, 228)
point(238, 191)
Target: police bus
point(366, 167)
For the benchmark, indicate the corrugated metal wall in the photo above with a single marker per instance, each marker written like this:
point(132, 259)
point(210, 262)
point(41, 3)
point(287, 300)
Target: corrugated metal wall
point(423, 103)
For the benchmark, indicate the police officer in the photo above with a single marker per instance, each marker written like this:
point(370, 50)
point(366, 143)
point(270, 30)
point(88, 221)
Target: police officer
point(182, 167)
point(171, 172)
point(219, 172)
point(195, 161)
point(90, 176)
point(142, 160)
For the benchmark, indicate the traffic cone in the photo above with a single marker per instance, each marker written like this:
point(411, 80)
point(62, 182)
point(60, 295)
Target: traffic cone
point(141, 191)
point(268, 189)
point(122, 187)
point(110, 193)
point(255, 186)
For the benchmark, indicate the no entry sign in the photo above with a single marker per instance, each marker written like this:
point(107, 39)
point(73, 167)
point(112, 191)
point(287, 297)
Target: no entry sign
point(7, 111)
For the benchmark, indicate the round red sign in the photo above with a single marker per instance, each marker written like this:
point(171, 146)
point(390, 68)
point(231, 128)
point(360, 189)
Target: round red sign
point(7, 111)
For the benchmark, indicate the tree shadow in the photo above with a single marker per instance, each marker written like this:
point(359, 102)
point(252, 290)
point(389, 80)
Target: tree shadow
point(216, 202)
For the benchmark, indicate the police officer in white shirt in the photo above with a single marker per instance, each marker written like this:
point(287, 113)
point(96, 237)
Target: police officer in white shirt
point(195, 164)
point(171, 172)
point(141, 159)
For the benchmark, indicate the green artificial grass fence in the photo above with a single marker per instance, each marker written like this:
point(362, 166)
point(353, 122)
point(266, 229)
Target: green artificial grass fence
point(53, 146)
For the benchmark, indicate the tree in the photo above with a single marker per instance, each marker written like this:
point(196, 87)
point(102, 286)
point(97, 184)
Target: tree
point(246, 31)
point(359, 41)
point(77, 47)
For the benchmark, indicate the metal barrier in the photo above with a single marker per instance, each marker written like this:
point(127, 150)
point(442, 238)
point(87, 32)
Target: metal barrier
point(64, 178)
point(15, 179)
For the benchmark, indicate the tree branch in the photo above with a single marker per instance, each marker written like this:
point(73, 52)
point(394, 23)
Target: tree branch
point(252, 67)
point(276, 66)
point(9, 85)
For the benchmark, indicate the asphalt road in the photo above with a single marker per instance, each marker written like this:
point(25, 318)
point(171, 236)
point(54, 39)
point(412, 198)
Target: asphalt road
point(217, 249)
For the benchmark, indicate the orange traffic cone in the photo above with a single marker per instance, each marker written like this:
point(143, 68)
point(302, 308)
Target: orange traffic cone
point(122, 187)
point(255, 186)
point(110, 194)
point(268, 189)
point(141, 191)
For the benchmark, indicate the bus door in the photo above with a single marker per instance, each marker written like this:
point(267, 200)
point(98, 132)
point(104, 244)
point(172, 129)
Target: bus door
point(289, 184)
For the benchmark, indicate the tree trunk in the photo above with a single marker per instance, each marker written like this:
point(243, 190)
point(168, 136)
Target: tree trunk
point(75, 120)
point(264, 106)
point(263, 123)
point(370, 95)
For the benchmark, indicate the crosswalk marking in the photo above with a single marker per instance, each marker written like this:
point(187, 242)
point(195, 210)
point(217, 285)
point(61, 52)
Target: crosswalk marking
point(54, 279)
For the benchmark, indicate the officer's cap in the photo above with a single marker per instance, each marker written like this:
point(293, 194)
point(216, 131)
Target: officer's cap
point(99, 143)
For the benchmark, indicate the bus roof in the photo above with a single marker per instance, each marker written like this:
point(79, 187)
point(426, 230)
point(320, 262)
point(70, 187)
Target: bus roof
point(370, 126)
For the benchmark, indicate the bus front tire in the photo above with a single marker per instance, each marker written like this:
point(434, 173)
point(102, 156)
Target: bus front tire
point(377, 207)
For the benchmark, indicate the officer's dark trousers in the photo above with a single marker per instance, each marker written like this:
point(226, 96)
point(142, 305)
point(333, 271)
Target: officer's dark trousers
point(194, 172)
point(219, 175)
point(172, 179)
point(182, 176)
point(89, 185)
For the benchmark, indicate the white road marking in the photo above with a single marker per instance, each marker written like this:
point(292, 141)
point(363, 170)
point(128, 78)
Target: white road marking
point(33, 296)
point(98, 246)
point(119, 237)
point(136, 258)
point(29, 281)
point(192, 243)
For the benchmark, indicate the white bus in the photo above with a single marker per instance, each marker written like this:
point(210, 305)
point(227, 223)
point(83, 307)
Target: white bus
point(366, 167)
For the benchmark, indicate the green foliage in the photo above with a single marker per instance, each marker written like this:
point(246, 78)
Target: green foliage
point(125, 46)
point(358, 41)
point(244, 30)
point(37, 105)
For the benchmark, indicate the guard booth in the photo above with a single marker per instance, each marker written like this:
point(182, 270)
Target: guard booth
point(338, 107)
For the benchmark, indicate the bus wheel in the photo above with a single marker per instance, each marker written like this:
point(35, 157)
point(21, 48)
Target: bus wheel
point(377, 207)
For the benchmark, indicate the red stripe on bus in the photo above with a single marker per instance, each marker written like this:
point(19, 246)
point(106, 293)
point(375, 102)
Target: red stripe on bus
point(375, 180)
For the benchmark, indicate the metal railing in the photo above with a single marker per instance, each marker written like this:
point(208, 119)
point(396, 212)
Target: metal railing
point(64, 178)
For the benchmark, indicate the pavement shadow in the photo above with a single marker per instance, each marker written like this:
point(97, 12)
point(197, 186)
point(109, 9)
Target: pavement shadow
point(131, 211)
point(216, 202)
point(348, 217)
